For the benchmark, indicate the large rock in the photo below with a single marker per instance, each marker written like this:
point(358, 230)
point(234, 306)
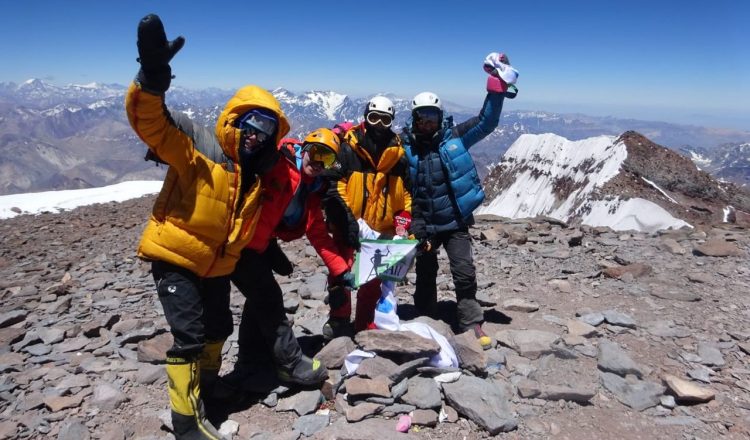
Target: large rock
point(614, 359)
point(637, 270)
point(107, 397)
point(358, 387)
point(397, 342)
point(470, 353)
point(581, 393)
point(710, 355)
point(73, 430)
point(528, 343)
point(520, 305)
point(369, 429)
point(688, 392)
point(13, 317)
point(422, 393)
point(618, 318)
point(672, 246)
point(717, 248)
point(482, 401)
point(302, 403)
point(154, 350)
point(334, 353)
point(312, 423)
point(637, 394)
point(377, 366)
point(576, 327)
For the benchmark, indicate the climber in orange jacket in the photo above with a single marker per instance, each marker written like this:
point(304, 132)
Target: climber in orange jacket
point(372, 183)
point(205, 214)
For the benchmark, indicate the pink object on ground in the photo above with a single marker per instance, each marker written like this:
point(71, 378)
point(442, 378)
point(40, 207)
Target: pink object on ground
point(404, 423)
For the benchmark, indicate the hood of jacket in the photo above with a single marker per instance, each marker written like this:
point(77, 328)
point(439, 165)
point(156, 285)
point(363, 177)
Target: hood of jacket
point(246, 99)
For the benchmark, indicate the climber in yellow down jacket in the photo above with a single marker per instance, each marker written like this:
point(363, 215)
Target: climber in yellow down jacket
point(204, 216)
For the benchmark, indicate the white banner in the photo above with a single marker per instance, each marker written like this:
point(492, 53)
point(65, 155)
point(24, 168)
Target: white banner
point(384, 259)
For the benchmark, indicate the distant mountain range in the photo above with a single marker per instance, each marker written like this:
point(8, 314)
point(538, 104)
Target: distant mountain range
point(729, 162)
point(77, 136)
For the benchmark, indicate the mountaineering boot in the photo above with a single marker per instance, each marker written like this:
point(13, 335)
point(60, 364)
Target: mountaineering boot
point(335, 327)
point(188, 416)
point(210, 363)
point(291, 364)
point(305, 372)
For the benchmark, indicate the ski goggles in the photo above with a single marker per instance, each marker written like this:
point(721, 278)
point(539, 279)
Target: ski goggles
point(383, 119)
point(427, 114)
point(259, 135)
point(321, 153)
point(255, 122)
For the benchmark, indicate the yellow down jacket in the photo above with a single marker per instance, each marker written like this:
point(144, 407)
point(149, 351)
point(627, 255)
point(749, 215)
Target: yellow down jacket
point(197, 221)
point(372, 189)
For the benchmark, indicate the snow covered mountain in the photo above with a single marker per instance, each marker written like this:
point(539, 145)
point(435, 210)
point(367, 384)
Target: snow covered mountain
point(624, 182)
point(77, 136)
point(730, 162)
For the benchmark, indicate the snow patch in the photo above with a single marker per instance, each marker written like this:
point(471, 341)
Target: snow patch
point(547, 159)
point(329, 101)
point(727, 210)
point(660, 190)
point(56, 201)
point(632, 214)
point(699, 159)
point(98, 104)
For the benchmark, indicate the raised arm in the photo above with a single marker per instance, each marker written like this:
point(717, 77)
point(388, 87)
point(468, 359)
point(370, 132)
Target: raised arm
point(144, 102)
point(479, 127)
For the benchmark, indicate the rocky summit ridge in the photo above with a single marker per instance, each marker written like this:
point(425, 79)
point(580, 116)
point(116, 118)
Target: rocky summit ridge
point(596, 334)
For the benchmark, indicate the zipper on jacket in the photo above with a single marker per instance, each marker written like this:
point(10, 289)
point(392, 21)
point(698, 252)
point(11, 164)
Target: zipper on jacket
point(220, 252)
point(385, 197)
point(365, 195)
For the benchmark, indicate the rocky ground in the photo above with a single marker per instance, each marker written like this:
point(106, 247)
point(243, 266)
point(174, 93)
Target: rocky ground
point(598, 334)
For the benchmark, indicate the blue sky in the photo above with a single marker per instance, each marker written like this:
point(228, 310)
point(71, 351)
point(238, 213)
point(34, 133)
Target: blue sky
point(681, 61)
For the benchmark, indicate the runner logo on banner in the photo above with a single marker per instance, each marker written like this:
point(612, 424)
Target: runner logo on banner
point(384, 259)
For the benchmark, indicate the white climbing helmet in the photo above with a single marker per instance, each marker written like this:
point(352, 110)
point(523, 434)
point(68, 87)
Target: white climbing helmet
point(380, 104)
point(426, 99)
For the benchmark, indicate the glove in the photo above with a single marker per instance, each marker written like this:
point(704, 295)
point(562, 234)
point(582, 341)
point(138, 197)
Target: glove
point(346, 280)
point(424, 245)
point(512, 91)
point(401, 223)
point(154, 54)
point(496, 85)
point(278, 259)
point(352, 235)
point(498, 65)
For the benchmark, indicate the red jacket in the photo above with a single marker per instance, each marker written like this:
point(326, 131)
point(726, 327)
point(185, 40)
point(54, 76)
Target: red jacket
point(278, 188)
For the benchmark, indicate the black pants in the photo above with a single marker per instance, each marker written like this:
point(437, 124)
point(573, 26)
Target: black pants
point(458, 247)
point(264, 327)
point(197, 309)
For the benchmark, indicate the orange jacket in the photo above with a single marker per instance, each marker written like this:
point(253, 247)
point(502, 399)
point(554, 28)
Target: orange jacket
point(373, 191)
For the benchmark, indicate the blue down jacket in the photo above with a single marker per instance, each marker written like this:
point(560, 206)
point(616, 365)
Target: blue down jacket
point(445, 185)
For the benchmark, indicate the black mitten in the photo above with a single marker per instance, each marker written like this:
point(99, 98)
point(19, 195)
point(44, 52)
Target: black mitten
point(154, 54)
point(352, 235)
point(278, 259)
